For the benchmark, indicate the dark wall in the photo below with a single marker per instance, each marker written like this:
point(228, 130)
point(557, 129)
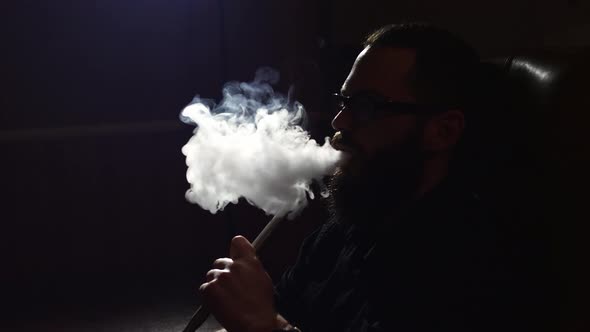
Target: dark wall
point(93, 179)
point(92, 175)
point(70, 62)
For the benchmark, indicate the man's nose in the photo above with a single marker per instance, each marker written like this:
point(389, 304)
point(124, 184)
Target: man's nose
point(342, 121)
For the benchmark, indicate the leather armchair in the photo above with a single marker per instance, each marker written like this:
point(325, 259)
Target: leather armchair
point(536, 154)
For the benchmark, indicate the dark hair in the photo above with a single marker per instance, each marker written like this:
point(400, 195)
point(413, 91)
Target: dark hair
point(445, 64)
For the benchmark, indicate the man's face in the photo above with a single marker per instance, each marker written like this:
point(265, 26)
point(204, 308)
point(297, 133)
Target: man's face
point(385, 150)
point(383, 73)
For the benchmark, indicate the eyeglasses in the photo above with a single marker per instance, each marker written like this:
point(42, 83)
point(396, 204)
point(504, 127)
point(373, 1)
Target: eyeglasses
point(366, 107)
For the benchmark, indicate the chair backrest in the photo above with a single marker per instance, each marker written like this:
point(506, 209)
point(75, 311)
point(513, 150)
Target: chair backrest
point(536, 152)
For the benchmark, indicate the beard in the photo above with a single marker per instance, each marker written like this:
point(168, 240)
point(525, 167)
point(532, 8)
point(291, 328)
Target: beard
point(377, 186)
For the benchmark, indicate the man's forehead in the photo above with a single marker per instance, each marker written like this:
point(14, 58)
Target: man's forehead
point(383, 71)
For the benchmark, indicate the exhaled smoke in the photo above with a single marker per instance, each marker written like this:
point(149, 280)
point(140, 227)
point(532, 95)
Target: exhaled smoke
point(252, 145)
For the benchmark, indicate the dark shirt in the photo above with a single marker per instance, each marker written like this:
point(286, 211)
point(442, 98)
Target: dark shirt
point(442, 263)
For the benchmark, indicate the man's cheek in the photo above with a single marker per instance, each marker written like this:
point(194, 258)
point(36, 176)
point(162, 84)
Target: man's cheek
point(370, 149)
point(374, 141)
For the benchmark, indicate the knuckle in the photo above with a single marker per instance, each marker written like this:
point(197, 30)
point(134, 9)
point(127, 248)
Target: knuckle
point(210, 289)
point(237, 267)
point(222, 263)
point(224, 277)
point(205, 289)
point(210, 274)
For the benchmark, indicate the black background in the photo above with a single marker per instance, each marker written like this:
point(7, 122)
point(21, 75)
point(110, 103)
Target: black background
point(93, 214)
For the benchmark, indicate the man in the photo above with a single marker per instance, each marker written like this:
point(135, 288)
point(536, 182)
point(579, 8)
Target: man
point(408, 246)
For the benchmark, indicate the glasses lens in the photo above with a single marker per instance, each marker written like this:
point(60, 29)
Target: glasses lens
point(362, 108)
point(338, 103)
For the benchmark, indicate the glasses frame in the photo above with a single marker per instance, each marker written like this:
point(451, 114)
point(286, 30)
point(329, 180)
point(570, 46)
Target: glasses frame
point(367, 106)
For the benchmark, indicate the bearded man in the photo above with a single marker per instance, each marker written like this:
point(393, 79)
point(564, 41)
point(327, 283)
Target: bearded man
point(409, 246)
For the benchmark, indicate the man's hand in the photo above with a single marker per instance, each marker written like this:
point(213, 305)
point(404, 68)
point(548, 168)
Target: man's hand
point(239, 292)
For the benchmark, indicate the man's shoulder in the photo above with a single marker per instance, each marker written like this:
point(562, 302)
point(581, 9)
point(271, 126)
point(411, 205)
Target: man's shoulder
point(458, 200)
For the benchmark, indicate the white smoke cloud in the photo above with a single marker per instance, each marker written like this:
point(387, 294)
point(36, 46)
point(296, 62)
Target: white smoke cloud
point(252, 145)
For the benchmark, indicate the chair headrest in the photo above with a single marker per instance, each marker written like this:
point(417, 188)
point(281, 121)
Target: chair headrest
point(535, 111)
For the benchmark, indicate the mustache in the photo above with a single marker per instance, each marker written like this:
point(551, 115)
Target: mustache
point(341, 138)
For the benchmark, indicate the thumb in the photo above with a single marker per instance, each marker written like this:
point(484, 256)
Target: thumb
point(241, 248)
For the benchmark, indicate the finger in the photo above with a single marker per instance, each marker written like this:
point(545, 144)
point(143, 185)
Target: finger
point(218, 290)
point(241, 248)
point(204, 288)
point(214, 274)
point(222, 263)
point(216, 298)
point(212, 291)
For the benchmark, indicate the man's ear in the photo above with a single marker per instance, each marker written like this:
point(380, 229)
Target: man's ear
point(443, 131)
